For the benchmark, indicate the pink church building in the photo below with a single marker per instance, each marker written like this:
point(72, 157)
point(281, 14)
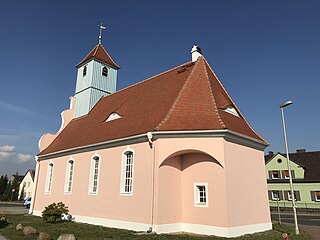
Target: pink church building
point(172, 153)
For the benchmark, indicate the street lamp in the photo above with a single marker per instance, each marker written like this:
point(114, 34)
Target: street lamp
point(282, 106)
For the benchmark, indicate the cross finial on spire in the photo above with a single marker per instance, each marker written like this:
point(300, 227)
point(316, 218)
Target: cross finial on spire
point(100, 34)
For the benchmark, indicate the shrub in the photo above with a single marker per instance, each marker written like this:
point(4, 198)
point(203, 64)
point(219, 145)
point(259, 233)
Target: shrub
point(53, 212)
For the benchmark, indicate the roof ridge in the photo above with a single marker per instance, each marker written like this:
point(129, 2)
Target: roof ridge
point(176, 99)
point(211, 93)
point(234, 104)
point(110, 56)
point(145, 80)
point(87, 55)
point(95, 52)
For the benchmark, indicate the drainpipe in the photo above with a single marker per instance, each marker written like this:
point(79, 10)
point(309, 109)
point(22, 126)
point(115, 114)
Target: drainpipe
point(150, 136)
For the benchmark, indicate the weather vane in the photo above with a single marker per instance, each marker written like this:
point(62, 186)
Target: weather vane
point(100, 34)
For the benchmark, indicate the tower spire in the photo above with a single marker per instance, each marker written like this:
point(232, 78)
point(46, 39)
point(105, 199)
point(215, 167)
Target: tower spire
point(100, 34)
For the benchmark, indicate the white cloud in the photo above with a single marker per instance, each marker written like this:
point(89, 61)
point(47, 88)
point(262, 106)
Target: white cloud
point(7, 153)
point(24, 157)
point(7, 148)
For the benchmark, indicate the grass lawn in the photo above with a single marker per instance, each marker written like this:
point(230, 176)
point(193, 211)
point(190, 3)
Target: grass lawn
point(86, 231)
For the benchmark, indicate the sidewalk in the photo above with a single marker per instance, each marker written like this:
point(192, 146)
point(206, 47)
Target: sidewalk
point(314, 231)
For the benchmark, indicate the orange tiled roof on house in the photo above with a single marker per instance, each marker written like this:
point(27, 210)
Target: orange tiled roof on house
point(187, 97)
point(99, 53)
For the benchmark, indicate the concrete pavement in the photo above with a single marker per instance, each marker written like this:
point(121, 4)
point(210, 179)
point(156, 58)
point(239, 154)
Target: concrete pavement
point(314, 231)
point(12, 208)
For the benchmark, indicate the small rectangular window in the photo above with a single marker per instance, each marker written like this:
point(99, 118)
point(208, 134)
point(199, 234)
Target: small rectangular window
point(201, 194)
point(84, 71)
point(275, 195)
point(105, 71)
point(317, 196)
point(275, 174)
point(296, 196)
point(285, 174)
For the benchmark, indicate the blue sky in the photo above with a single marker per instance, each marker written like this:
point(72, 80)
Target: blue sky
point(264, 52)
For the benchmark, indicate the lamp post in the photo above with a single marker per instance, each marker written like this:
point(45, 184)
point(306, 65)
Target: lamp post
point(282, 106)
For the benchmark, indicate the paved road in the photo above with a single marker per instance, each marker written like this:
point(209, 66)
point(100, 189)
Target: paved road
point(12, 208)
point(310, 220)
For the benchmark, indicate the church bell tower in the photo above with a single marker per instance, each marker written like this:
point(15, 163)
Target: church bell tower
point(96, 77)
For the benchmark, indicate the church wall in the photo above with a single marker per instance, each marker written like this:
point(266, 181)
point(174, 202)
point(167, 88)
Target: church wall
point(234, 176)
point(246, 186)
point(108, 202)
point(200, 168)
point(170, 192)
point(179, 160)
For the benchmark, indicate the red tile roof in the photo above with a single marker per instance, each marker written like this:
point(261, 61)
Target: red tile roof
point(187, 97)
point(99, 53)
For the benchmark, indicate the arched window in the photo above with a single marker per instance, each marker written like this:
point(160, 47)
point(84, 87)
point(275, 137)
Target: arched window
point(94, 175)
point(127, 173)
point(69, 176)
point(105, 71)
point(84, 71)
point(49, 178)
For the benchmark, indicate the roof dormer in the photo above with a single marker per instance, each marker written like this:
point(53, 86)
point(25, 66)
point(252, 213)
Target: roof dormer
point(231, 109)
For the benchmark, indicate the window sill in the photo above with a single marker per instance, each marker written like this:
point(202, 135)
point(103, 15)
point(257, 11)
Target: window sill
point(201, 205)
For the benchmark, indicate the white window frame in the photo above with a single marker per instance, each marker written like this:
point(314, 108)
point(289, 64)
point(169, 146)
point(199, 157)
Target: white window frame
point(102, 71)
point(275, 195)
point(49, 177)
point(93, 173)
point(124, 177)
point(69, 178)
point(316, 197)
point(284, 175)
point(85, 69)
point(197, 197)
point(231, 109)
point(113, 116)
point(289, 196)
point(272, 176)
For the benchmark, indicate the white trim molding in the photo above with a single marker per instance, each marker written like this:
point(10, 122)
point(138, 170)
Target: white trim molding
point(174, 227)
point(70, 163)
point(226, 134)
point(49, 177)
point(123, 175)
point(201, 194)
point(135, 226)
point(96, 158)
point(35, 213)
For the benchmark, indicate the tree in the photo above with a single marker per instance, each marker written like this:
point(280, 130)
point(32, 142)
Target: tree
point(3, 186)
point(12, 190)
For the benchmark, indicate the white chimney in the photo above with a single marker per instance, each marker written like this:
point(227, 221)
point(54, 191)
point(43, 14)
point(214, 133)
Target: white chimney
point(195, 53)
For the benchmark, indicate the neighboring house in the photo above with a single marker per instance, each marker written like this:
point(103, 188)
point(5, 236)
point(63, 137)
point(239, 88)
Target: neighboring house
point(26, 185)
point(15, 177)
point(169, 154)
point(305, 168)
